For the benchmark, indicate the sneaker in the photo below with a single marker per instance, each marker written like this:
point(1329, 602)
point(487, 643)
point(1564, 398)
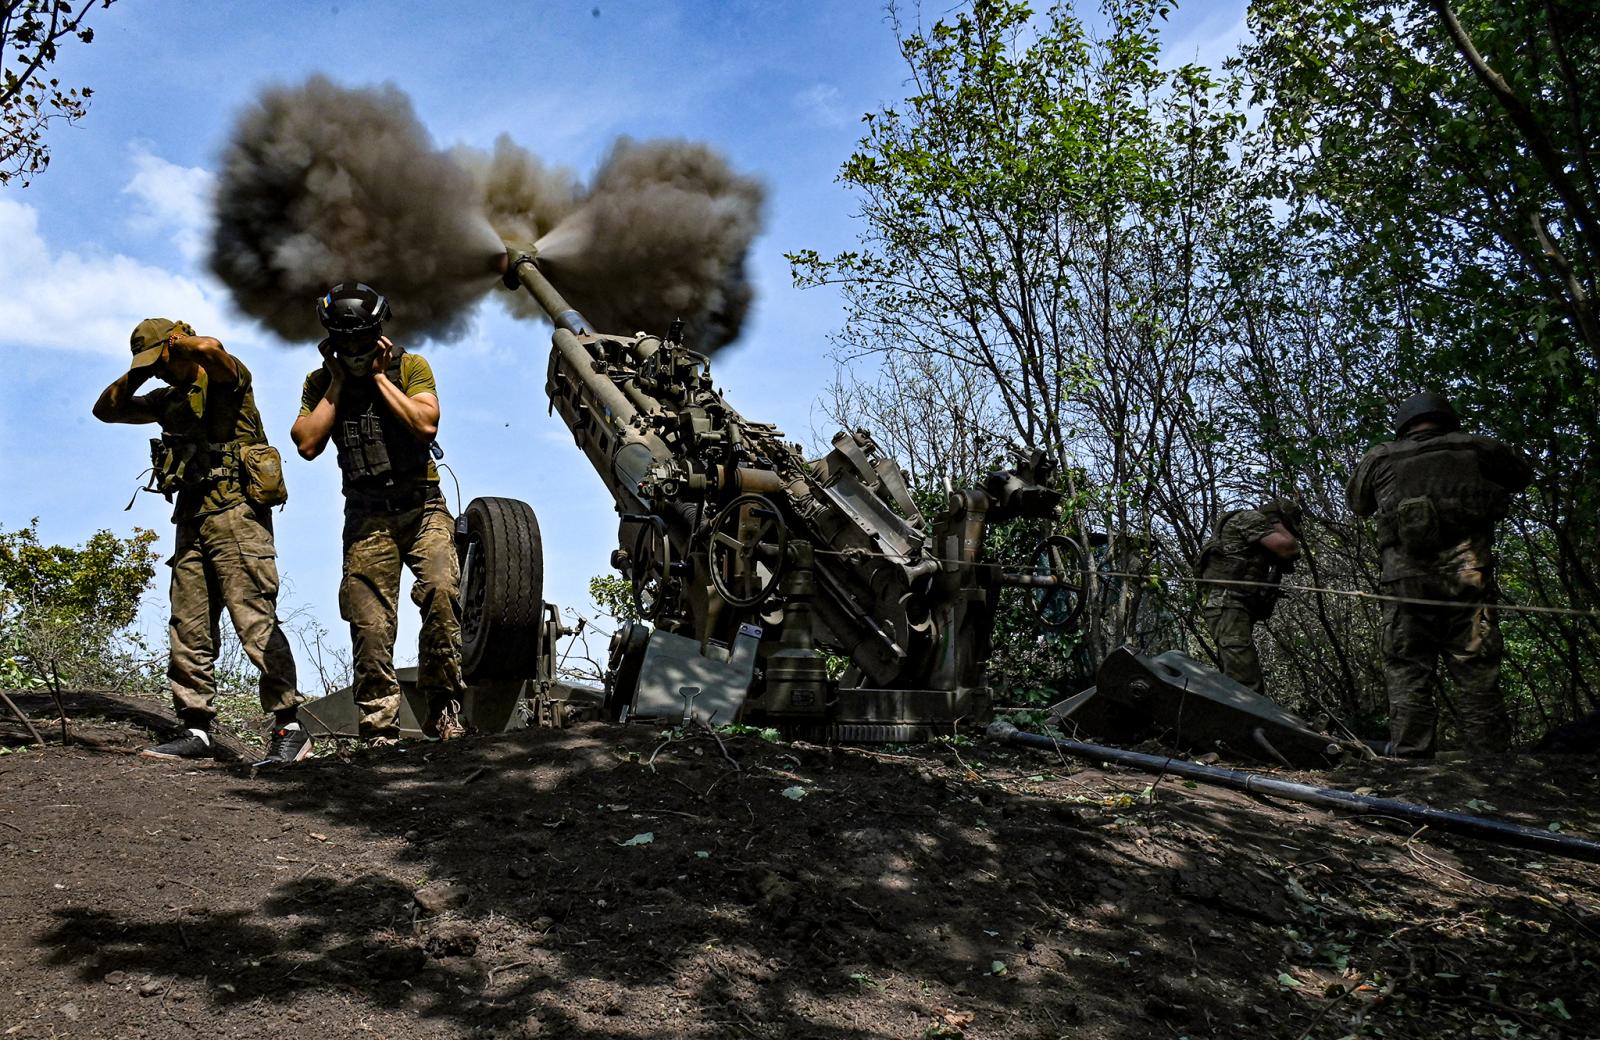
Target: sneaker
point(188, 744)
point(289, 745)
point(444, 723)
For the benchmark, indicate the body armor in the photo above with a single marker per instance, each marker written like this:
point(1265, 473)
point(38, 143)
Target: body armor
point(1433, 492)
point(204, 432)
point(180, 462)
point(376, 451)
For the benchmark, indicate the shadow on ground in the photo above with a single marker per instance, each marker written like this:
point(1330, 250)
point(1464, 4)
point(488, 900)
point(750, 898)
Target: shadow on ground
point(608, 882)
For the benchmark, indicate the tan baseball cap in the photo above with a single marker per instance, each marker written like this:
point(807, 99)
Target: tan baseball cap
point(149, 336)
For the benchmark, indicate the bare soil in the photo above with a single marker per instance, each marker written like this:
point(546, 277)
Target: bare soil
point(623, 882)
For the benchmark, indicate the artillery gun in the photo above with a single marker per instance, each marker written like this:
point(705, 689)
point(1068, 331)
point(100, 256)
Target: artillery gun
point(810, 595)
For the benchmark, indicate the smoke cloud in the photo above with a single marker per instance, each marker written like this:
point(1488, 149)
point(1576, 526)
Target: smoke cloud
point(661, 234)
point(322, 183)
point(519, 196)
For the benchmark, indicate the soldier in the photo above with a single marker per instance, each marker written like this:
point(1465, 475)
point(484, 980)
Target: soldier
point(214, 457)
point(1250, 545)
point(378, 404)
point(1438, 493)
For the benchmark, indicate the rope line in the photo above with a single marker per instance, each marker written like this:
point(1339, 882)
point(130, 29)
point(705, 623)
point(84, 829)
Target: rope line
point(1377, 597)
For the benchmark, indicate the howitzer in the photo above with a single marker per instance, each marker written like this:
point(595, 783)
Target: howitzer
point(813, 595)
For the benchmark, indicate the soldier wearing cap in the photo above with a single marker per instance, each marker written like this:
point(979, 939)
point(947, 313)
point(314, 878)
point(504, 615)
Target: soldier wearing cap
point(1437, 494)
point(1240, 570)
point(378, 404)
point(213, 459)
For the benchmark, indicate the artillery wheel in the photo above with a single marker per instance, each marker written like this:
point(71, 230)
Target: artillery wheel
point(735, 555)
point(502, 590)
point(1058, 607)
point(649, 569)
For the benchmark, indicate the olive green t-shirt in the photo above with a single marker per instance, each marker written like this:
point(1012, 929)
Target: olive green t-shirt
point(416, 377)
point(218, 413)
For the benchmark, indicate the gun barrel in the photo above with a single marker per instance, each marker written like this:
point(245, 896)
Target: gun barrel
point(518, 267)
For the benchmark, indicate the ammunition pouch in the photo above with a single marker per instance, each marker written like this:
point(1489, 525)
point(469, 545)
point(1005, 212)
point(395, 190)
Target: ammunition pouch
point(179, 463)
point(1417, 526)
point(261, 475)
point(182, 463)
point(1423, 525)
point(374, 447)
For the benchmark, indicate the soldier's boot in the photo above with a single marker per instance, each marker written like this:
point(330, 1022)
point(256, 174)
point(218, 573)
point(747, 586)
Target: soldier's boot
point(187, 745)
point(290, 744)
point(444, 722)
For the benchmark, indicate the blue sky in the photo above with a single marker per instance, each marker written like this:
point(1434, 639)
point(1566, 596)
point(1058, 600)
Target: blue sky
point(115, 230)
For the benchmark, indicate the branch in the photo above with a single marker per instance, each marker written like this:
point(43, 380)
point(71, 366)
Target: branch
point(1569, 76)
point(1523, 118)
point(1582, 306)
point(43, 48)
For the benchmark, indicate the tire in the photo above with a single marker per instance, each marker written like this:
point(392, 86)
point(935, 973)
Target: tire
point(502, 590)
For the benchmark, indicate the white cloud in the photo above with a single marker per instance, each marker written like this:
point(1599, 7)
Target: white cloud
point(823, 105)
point(87, 301)
point(171, 199)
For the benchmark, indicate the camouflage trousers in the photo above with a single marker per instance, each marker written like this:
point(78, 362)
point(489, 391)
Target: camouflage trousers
point(375, 545)
point(226, 560)
point(1468, 638)
point(1232, 625)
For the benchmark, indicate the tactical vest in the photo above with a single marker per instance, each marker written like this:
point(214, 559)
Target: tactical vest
point(1436, 493)
point(198, 455)
point(376, 450)
point(1226, 566)
point(1255, 564)
point(179, 463)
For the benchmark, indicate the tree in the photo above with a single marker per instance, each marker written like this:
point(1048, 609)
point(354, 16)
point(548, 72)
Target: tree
point(1438, 162)
point(1192, 306)
point(31, 34)
point(65, 612)
point(1042, 220)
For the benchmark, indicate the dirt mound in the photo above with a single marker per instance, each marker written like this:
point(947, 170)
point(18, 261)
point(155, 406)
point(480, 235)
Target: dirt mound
point(615, 882)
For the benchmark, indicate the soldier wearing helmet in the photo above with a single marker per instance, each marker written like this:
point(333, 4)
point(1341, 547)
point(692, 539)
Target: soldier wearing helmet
point(379, 406)
point(1240, 570)
point(1437, 494)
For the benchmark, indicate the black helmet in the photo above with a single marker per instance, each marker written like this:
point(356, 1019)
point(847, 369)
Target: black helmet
point(352, 307)
point(1426, 405)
